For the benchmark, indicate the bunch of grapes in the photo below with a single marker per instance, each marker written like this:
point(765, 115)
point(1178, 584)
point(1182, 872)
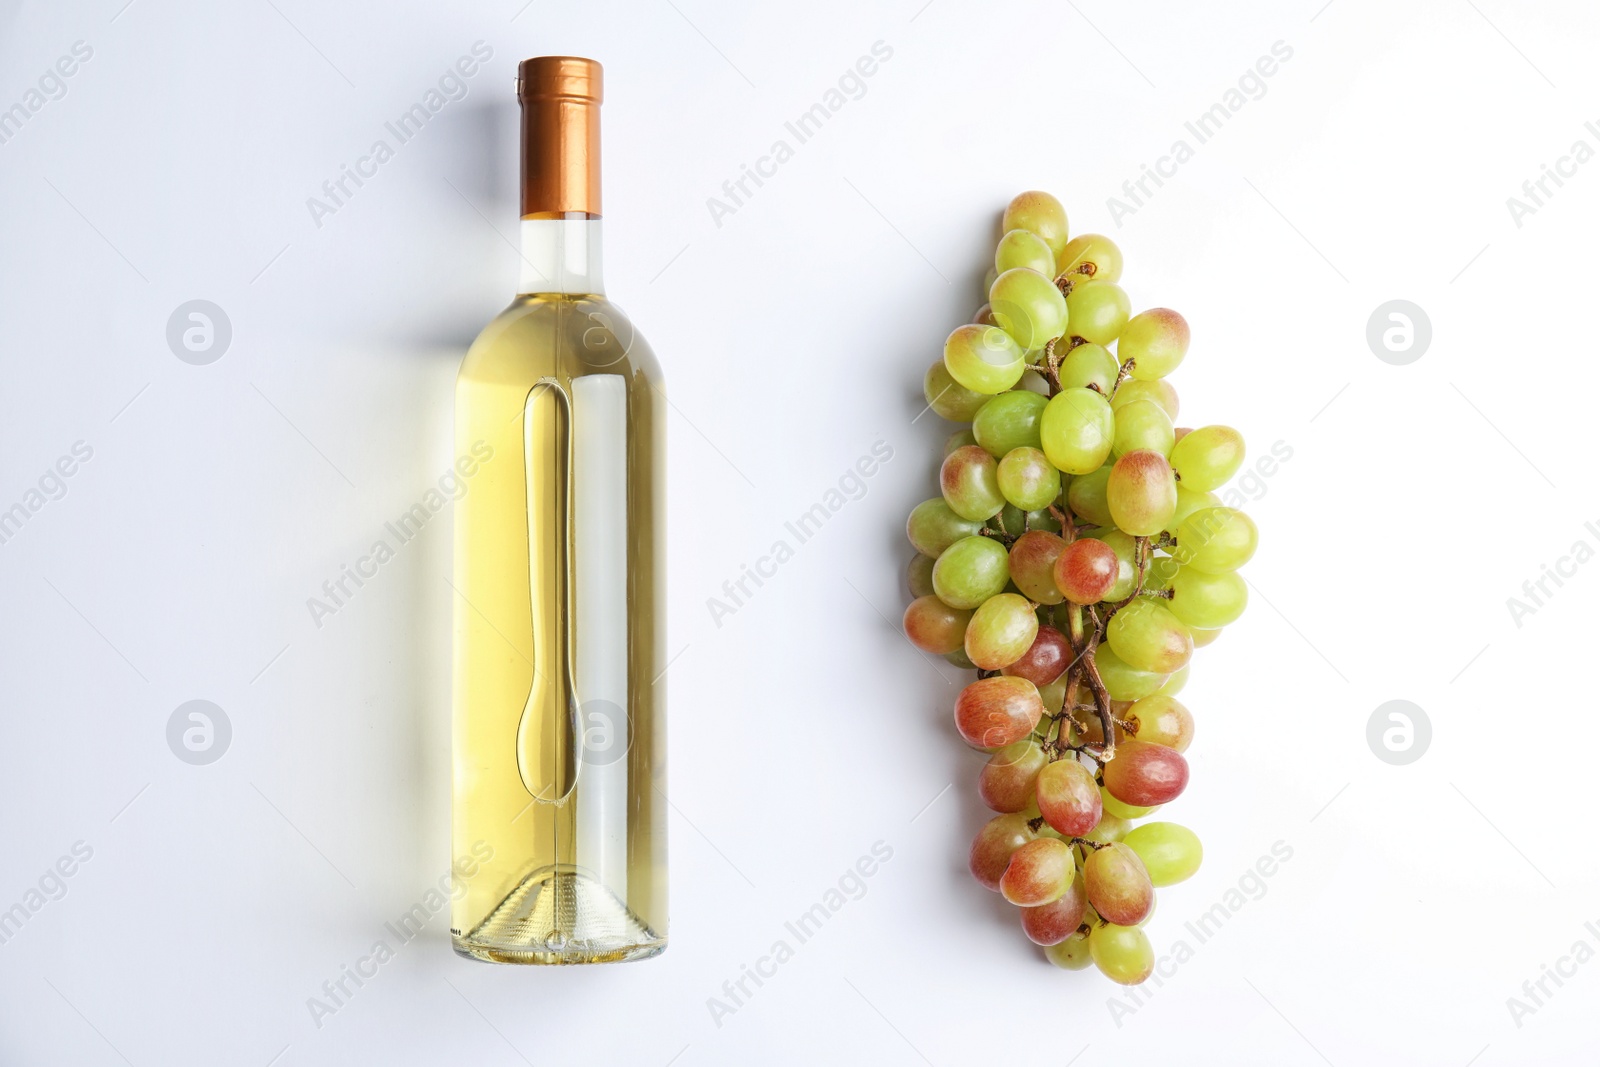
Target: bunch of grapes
point(1076, 557)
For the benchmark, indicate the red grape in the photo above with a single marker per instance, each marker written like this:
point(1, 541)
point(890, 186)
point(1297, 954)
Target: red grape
point(1046, 659)
point(1053, 923)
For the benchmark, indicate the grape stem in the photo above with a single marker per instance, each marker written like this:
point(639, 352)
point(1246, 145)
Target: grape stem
point(1052, 364)
point(1122, 376)
point(1141, 555)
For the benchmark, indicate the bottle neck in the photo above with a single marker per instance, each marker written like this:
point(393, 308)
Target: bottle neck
point(561, 256)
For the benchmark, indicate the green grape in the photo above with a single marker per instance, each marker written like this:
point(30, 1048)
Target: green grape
point(1091, 255)
point(959, 658)
point(1117, 884)
point(1174, 685)
point(1158, 575)
point(1142, 424)
point(1054, 695)
point(1141, 492)
point(1029, 307)
point(1039, 873)
point(1040, 214)
point(1006, 781)
point(1202, 638)
point(1028, 479)
point(934, 626)
point(1089, 364)
point(1147, 637)
point(969, 479)
point(1156, 340)
point(1159, 391)
point(933, 527)
point(959, 439)
point(1086, 496)
point(1021, 248)
point(1189, 502)
point(983, 359)
point(1206, 458)
point(1001, 630)
point(1121, 810)
point(1207, 600)
point(1097, 311)
point(984, 316)
point(1216, 540)
point(947, 398)
point(1171, 853)
point(970, 571)
point(1122, 681)
point(1076, 430)
point(1109, 829)
point(1016, 522)
point(1010, 420)
point(1161, 720)
point(1072, 954)
point(919, 575)
point(1122, 953)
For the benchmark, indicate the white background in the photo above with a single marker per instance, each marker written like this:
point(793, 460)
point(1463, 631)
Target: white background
point(804, 728)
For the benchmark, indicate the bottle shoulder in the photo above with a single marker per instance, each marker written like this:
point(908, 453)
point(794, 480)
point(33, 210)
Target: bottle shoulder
point(562, 336)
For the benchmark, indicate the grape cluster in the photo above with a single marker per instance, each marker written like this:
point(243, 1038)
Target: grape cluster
point(1075, 557)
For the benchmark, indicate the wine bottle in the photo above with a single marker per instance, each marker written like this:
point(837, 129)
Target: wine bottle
point(559, 822)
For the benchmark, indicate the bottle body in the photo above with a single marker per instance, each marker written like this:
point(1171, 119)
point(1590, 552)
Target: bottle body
point(559, 703)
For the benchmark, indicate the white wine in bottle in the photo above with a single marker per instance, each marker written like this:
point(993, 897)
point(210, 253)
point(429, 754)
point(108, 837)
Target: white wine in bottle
point(559, 820)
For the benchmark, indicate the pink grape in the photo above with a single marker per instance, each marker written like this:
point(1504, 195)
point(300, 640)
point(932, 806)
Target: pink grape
point(1117, 884)
point(1053, 923)
point(1141, 492)
point(992, 848)
point(1032, 564)
point(994, 712)
point(1145, 774)
point(1086, 570)
point(1006, 781)
point(1039, 872)
point(934, 626)
point(1068, 798)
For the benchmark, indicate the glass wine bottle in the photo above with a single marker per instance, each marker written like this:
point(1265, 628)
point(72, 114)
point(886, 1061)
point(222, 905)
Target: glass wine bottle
point(559, 820)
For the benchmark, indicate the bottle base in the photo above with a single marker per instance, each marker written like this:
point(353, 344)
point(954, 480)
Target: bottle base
point(560, 915)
